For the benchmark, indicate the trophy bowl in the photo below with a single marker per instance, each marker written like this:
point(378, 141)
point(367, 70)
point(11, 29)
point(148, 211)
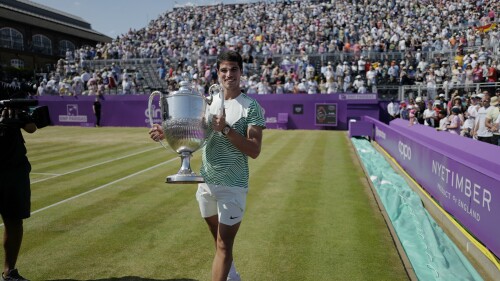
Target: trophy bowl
point(184, 126)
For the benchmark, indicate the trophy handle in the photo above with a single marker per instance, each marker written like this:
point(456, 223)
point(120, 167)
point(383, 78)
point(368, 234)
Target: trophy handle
point(216, 89)
point(150, 102)
point(211, 92)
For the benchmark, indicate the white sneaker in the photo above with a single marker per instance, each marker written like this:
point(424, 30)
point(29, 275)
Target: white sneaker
point(233, 276)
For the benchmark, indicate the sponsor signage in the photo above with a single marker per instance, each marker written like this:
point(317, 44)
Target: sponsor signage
point(326, 114)
point(132, 111)
point(298, 109)
point(72, 115)
point(460, 173)
point(357, 96)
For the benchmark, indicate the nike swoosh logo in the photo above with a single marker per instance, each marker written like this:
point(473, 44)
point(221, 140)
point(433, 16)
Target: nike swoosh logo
point(231, 217)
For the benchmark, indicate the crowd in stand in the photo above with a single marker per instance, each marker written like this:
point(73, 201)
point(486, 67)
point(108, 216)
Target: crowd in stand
point(287, 45)
point(317, 47)
point(474, 116)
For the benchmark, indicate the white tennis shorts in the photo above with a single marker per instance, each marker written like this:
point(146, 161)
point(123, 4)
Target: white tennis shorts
point(226, 202)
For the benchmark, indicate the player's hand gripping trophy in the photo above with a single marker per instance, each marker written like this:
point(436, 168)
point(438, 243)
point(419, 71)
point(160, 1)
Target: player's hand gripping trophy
point(185, 125)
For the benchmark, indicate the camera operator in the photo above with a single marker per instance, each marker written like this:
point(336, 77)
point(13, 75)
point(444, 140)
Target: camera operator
point(15, 190)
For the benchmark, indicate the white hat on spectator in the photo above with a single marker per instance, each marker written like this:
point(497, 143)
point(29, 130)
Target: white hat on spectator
point(480, 96)
point(418, 99)
point(494, 101)
point(441, 95)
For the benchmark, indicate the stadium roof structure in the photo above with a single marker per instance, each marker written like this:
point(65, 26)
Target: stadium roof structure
point(40, 15)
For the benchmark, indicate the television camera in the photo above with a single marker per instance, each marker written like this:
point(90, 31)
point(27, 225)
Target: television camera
point(18, 112)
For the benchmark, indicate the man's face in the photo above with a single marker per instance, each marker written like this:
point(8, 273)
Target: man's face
point(485, 101)
point(229, 74)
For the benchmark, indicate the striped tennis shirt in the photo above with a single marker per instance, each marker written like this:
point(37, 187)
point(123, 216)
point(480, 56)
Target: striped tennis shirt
point(222, 163)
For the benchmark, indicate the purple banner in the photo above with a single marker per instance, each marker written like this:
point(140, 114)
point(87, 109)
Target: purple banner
point(347, 109)
point(132, 111)
point(460, 173)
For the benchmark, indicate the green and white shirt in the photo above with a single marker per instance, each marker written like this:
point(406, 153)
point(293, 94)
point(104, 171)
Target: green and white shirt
point(222, 162)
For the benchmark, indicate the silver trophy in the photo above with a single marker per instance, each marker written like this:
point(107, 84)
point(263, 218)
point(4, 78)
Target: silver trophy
point(184, 125)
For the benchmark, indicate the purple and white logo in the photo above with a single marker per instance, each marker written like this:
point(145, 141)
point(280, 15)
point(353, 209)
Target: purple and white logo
point(404, 150)
point(72, 115)
point(155, 114)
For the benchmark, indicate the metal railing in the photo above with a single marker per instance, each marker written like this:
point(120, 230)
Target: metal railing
point(407, 92)
point(317, 60)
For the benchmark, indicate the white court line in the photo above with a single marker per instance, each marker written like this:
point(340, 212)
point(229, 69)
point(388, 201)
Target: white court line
point(46, 174)
point(91, 166)
point(100, 187)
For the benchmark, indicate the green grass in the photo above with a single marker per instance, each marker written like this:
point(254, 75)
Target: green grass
point(310, 214)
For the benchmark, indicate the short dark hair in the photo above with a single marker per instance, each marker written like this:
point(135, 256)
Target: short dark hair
point(230, 56)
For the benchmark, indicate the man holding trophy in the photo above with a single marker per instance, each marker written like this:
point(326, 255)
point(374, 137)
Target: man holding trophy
point(235, 126)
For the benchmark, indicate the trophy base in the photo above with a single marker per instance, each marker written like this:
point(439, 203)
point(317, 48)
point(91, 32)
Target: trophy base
point(184, 179)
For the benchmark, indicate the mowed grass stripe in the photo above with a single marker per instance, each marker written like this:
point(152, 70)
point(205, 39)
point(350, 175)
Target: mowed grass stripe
point(79, 150)
point(152, 233)
point(311, 222)
point(198, 268)
point(83, 135)
point(300, 185)
point(81, 156)
point(42, 151)
point(105, 157)
point(66, 186)
point(257, 254)
point(179, 248)
point(311, 205)
point(91, 165)
point(146, 228)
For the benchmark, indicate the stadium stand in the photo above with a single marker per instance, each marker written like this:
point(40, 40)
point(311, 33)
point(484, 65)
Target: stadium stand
point(435, 50)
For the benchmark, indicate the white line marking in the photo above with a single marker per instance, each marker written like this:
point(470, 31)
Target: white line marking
point(46, 174)
point(91, 166)
point(100, 187)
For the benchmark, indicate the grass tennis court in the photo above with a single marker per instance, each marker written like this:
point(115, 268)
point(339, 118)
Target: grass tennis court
point(101, 211)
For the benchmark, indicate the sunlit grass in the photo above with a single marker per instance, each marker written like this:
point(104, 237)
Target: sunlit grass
point(310, 215)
